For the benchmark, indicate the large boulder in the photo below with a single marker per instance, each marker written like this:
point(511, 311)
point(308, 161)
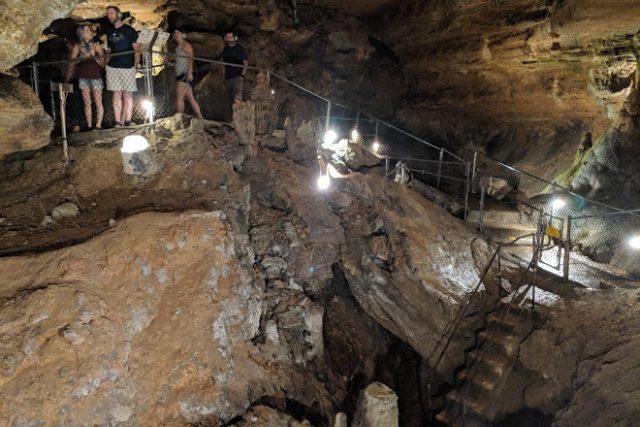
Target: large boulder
point(21, 25)
point(24, 125)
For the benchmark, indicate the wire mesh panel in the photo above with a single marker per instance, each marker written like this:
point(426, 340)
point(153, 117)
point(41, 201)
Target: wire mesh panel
point(93, 102)
point(605, 248)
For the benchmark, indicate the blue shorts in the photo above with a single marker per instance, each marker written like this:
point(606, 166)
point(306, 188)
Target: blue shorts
point(90, 83)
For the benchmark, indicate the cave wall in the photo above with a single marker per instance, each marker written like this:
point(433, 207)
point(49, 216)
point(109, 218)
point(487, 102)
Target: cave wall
point(520, 80)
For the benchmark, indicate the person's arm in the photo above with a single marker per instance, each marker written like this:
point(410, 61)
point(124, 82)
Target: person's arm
point(245, 64)
point(224, 67)
point(188, 49)
point(100, 57)
point(136, 48)
point(245, 67)
point(72, 65)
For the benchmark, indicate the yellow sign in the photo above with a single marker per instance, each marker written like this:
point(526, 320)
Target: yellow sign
point(552, 232)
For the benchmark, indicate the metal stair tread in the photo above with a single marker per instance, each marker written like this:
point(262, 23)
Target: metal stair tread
point(471, 404)
point(481, 380)
point(494, 362)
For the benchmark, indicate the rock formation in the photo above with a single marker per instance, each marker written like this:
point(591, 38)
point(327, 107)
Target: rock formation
point(231, 295)
point(24, 125)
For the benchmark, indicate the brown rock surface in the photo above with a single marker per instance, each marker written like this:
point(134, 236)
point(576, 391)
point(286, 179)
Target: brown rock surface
point(24, 125)
point(521, 80)
point(21, 25)
point(233, 297)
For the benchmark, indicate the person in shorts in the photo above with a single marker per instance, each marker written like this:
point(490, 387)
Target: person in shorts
point(90, 59)
point(184, 73)
point(234, 75)
point(121, 69)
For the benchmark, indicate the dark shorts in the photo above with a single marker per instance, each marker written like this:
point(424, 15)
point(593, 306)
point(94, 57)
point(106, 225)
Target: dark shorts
point(183, 78)
point(234, 87)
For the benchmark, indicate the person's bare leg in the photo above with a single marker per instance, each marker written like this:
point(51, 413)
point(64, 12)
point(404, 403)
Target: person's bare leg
point(193, 102)
point(117, 106)
point(128, 105)
point(86, 101)
point(97, 98)
point(180, 93)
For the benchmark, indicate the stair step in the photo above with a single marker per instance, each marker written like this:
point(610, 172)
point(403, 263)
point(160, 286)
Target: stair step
point(491, 363)
point(510, 323)
point(472, 406)
point(482, 382)
point(498, 342)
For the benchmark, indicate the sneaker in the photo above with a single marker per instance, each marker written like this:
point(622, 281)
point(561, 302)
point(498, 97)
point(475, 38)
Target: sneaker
point(117, 125)
point(129, 123)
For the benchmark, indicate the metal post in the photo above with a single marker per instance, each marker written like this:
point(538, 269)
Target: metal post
point(376, 137)
point(386, 167)
point(63, 116)
point(54, 116)
point(148, 80)
point(473, 172)
point(482, 191)
point(328, 118)
point(34, 76)
point(440, 167)
point(567, 250)
point(357, 120)
point(466, 192)
point(553, 198)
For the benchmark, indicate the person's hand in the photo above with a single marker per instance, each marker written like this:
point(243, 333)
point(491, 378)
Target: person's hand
point(190, 76)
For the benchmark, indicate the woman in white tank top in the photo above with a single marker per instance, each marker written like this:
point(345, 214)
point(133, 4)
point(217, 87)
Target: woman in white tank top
point(184, 73)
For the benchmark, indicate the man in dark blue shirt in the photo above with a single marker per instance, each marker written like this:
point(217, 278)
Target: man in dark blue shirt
point(121, 69)
point(234, 53)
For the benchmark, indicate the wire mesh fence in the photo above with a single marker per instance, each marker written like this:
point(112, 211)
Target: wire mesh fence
point(582, 239)
point(605, 248)
point(506, 203)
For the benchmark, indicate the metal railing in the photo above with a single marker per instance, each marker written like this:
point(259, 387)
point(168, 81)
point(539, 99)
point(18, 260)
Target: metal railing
point(501, 200)
point(588, 241)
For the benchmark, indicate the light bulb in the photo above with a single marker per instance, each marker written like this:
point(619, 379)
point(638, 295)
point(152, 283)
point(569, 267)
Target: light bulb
point(134, 144)
point(330, 137)
point(355, 135)
point(324, 182)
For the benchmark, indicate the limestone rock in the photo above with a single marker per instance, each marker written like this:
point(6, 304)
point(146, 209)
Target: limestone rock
point(214, 101)
point(65, 210)
point(24, 125)
point(341, 420)
point(264, 416)
point(377, 407)
point(21, 24)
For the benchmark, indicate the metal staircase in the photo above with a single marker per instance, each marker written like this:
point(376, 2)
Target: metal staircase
point(478, 382)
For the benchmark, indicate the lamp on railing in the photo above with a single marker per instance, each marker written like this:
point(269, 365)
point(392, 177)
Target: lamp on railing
point(147, 104)
point(634, 242)
point(558, 204)
point(375, 147)
point(137, 158)
point(355, 135)
point(330, 137)
point(324, 182)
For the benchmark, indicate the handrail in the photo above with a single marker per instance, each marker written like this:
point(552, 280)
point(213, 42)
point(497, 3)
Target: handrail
point(288, 81)
point(520, 171)
point(463, 309)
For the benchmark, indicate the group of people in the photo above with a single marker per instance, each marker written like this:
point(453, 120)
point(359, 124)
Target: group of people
point(121, 58)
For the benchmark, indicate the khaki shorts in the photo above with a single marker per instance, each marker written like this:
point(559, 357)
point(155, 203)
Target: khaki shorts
point(121, 79)
point(234, 87)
